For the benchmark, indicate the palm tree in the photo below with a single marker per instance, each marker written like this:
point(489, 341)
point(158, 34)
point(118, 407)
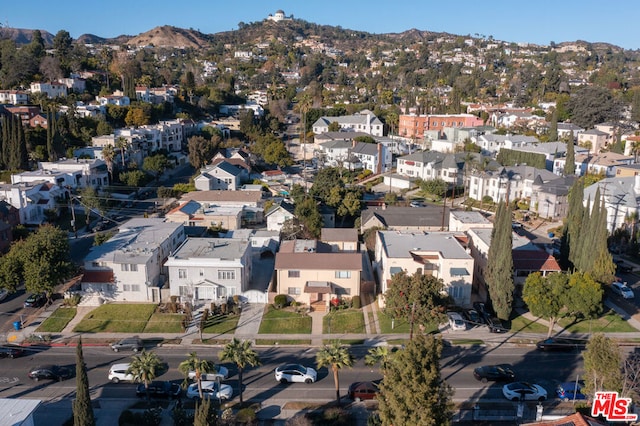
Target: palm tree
point(122, 144)
point(240, 353)
point(108, 154)
point(144, 367)
point(335, 356)
point(200, 366)
point(379, 354)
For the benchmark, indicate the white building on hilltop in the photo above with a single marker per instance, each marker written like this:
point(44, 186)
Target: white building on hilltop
point(279, 16)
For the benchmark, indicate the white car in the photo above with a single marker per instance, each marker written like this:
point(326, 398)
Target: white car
point(118, 373)
point(210, 391)
point(523, 391)
point(456, 322)
point(295, 373)
point(220, 371)
point(622, 290)
point(3, 294)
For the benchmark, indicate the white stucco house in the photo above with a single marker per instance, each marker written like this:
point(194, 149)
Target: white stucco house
point(131, 265)
point(364, 121)
point(75, 173)
point(209, 270)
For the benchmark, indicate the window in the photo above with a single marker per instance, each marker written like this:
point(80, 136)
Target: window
point(133, 267)
point(202, 272)
point(295, 291)
point(124, 266)
point(343, 291)
point(135, 287)
point(455, 292)
point(343, 274)
point(226, 275)
point(294, 274)
point(183, 291)
point(126, 287)
point(221, 292)
point(182, 273)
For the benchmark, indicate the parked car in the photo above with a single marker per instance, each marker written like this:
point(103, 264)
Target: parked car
point(623, 267)
point(220, 371)
point(49, 372)
point(295, 373)
point(622, 290)
point(561, 344)
point(523, 391)
point(496, 326)
point(210, 391)
point(359, 391)
point(570, 391)
point(35, 300)
point(3, 294)
point(456, 322)
point(483, 311)
point(473, 318)
point(11, 351)
point(495, 373)
point(159, 389)
point(118, 373)
point(416, 204)
point(128, 344)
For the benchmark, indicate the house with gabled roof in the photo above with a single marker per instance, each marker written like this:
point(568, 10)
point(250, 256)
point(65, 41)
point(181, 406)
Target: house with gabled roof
point(307, 271)
point(606, 163)
point(621, 197)
point(364, 121)
point(75, 173)
point(428, 165)
point(221, 176)
point(343, 240)
point(513, 183)
point(551, 199)
point(33, 199)
point(278, 214)
point(427, 218)
point(130, 265)
point(439, 254)
point(593, 139)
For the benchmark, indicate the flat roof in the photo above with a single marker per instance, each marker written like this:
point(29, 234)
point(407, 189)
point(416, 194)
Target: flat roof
point(398, 244)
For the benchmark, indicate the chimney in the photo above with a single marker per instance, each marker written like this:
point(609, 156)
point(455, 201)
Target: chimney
point(353, 143)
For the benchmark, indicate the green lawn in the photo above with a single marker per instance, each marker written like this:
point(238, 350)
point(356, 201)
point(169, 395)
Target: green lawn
point(221, 324)
point(117, 318)
point(525, 325)
point(609, 322)
point(58, 320)
point(280, 321)
point(164, 323)
point(384, 320)
point(273, 342)
point(345, 321)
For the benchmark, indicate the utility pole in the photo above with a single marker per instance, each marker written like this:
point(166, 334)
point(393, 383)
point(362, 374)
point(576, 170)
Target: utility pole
point(73, 216)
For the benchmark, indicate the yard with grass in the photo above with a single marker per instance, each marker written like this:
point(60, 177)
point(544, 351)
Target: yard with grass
point(520, 324)
point(609, 322)
point(117, 318)
point(164, 323)
point(283, 321)
point(221, 324)
point(343, 322)
point(58, 320)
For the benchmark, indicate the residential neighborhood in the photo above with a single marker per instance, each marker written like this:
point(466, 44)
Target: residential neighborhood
point(303, 202)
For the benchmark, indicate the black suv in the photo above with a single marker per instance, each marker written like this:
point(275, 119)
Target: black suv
point(159, 389)
point(35, 300)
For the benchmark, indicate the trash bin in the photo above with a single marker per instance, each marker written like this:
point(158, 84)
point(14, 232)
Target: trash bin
point(17, 325)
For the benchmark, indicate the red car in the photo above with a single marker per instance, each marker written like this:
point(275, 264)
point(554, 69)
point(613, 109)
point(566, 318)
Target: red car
point(360, 391)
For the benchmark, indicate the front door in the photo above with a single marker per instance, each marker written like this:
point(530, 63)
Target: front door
point(320, 297)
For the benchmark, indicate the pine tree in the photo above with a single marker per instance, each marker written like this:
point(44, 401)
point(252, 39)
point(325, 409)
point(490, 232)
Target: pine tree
point(82, 409)
point(602, 268)
point(570, 160)
point(602, 365)
point(500, 263)
point(413, 391)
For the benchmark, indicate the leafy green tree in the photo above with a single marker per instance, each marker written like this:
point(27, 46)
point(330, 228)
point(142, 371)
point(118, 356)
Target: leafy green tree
point(602, 365)
point(199, 365)
point(91, 203)
point(335, 357)
point(584, 295)
point(326, 179)
point(144, 368)
point(500, 263)
point(156, 164)
point(592, 105)
point(416, 298)
point(205, 414)
point(437, 187)
point(307, 213)
point(82, 408)
point(242, 355)
point(334, 126)
point(546, 296)
point(11, 272)
point(132, 178)
point(412, 391)
point(201, 150)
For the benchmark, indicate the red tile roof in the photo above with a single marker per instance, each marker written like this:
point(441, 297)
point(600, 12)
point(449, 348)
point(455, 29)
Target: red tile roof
point(534, 260)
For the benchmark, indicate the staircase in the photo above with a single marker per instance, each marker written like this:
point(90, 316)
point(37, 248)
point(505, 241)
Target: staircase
point(319, 306)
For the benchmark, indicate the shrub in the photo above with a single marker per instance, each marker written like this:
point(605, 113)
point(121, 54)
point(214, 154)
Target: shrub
point(246, 415)
point(280, 301)
point(356, 302)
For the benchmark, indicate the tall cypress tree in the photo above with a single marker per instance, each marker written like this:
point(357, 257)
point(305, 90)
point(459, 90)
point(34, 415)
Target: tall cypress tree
point(570, 162)
point(82, 409)
point(602, 268)
point(574, 220)
point(500, 263)
point(553, 126)
point(584, 229)
point(5, 124)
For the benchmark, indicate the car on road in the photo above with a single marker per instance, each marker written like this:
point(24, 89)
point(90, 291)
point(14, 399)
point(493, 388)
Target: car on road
point(128, 344)
point(210, 391)
point(495, 325)
point(3, 294)
point(49, 372)
point(456, 322)
point(570, 391)
point(494, 373)
point(35, 300)
point(219, 371)
point(523, 391)
point(295, 373)
point(11, 351)
point(561, 344)
point(416, 204)
point(623, 267)
point(118, 373)
point(472, 317)
point(360, 391)
point(159, 389)
point(622, 290)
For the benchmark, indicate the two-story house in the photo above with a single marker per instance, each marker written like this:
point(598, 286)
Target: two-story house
point(209, 270)
point(364, 121)
point(429, 165)
point(74, 173)
point(33, 199)
point(221, 176)
point(512, 183)
point(130, 266)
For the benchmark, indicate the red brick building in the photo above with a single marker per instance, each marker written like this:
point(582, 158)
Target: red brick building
point(414, 126)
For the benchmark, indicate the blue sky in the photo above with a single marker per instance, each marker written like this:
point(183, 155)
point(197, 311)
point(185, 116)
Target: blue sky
point(540, 21)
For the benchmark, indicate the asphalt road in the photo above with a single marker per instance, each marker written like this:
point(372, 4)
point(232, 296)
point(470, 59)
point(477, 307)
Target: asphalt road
point(546, 369)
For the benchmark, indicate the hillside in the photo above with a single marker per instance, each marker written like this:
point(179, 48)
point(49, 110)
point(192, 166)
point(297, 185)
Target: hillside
point(23, 36)
point(168, 36)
